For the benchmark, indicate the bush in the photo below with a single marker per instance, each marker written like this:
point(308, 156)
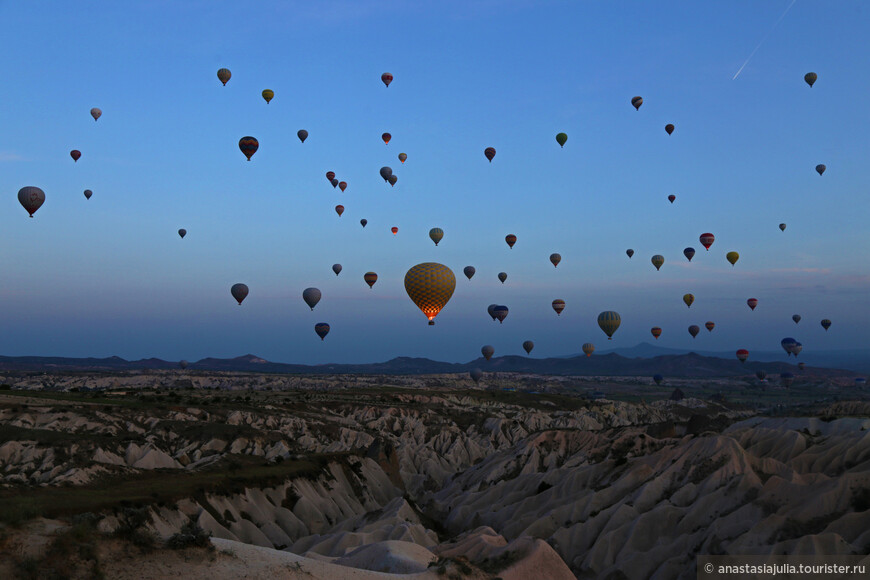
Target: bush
point(190, 536)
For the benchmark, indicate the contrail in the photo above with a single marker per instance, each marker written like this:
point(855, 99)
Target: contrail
point(763, 39)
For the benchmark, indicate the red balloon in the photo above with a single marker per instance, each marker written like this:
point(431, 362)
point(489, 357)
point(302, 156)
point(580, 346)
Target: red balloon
point(742, 355)
point(386, 137)
point(707, 240)
point(330, 175)
point(752, 302)
point(75, 154)
point(671, 198)
point(656, 332)
point(387, 78)
point(395, 230)
point(511, 240)
point(342, 185)
point(339, 209)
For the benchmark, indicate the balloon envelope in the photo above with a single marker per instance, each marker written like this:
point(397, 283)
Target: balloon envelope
point(224, 75)
point(182, 364)
point(694, 330)
point(386, 137)
point(339, 209)
point(435, 234)
point(268, 95)
point(657, 261)
point(489, 152)
point(239, 292)
point(311, 296)
point(330, 175)
point(96, 113)
point(430, 286)
point(303, 135)
point(555, 259)
point(386, 172)
point(342, 185)
point(710, 325)
point(363, 222)
point(669, 128)
point(88, 193)
point(561, 139)
point(403, 157)
point(387, 78)
point(370, 278)
point(558, 306)
point(752, 303)
point(796, 318)
point(502, 276)
point(491, 311)
point(629, 252)
point(511, 240)
point(487, 350)
point(75, 154)
point(609, 322)
point(742, 355)
point(637, 102)
point(707, 240)
point(656, 332)
point(468, 271)
point(658, 379)
point(321, 329)
point(395, 230)
point(782, 227)
point(248, 146)
point(588, 348)
point(500, 312)
point(476, 375)
point(336, 268)
point(672, 198)
point(688, 299)
point(182, 232)
point(393, 179)
point(811, 78)
point(732, 257)
point(528, 346)
point(820, 168)
point(31, 198)
point(826, 324)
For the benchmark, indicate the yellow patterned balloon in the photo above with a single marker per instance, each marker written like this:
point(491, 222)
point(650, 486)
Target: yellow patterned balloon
point(609, 321)
point(430, 286)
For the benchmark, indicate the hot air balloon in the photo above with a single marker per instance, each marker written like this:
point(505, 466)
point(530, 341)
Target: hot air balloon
point(707, 240)
point(96, 113)
point(656, 332)
point(430, 286)
point(689, 253)
point(182, 364)
point(658, 379)
point(311, 296)
point(303, 135)
point(339, 209)
point(820, 168)
point(555, 259)
point(342, 185)
point(742, 355)
point(710, 325)
point(732, 257)
point(321, 329)
point(75, 154)
point(487, 350)
point(248, 146)
point(387, 78)
point(31, 198)
point(588, 348)
point(386, 137)
point(476, 375)
point(395, 230)
point(694, 330)
point(393, 179)
point(370, 278)
point(403, 157)
point(672, 198)
point(336, 268)
point(609, 321)
point(761, 375)
point(88, 194)
point(500, 312)
point(502, 276)
point(468, 271)
point(558, 306)
point(782, 227)
point(363, 222)
point(688, 299)
point(182, 232)
point(511, 240)
point(786, 379)
point(797, 348)
point(629, 252)
point(810, 78)
point(826, 324)
point(657, 261)
point(491, 310)
point(528, 346)
point(435, 234)
point(224, 75)
point(386, 172)
point(802, 365)
point(787, 344)
point(334, 183)
point(637, 102)
point(669, 128)
point(561, 139)
point(330, 175)
point(752, 303)
point(796, 318)
point(489, 152)
point(239, 292)
point(268, 95)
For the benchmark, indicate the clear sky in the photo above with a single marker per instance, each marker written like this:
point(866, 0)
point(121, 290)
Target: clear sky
point(110, 276)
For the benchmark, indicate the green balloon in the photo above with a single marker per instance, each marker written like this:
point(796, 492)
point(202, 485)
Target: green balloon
point(561, 139)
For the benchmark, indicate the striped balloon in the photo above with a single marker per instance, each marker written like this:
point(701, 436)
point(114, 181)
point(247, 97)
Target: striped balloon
point(435, 234)
point(224, 75)
point(558, 306)
point(248, 146)
point(609, 321)
point(370, 278)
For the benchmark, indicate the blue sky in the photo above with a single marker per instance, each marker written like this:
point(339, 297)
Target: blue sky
point(110, 276)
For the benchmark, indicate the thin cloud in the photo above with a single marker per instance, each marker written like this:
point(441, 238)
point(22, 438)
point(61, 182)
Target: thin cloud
point(8, 156)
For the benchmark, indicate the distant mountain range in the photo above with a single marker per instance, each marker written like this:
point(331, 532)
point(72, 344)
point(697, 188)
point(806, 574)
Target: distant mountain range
point(641, 360)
